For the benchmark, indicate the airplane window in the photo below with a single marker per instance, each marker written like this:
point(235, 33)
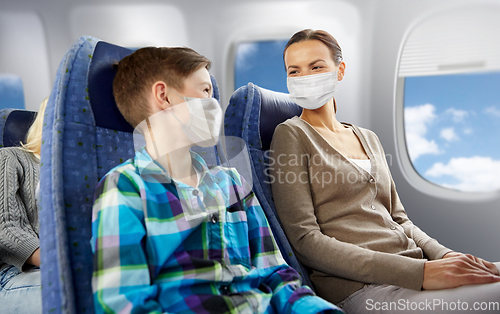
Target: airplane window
point(452, 127)
point(11, 91)
point(261, 62)
point(447, 103)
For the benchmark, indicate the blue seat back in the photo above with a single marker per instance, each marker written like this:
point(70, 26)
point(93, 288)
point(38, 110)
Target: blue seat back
point(252, 114)
point(84, 136)
point(14, 125)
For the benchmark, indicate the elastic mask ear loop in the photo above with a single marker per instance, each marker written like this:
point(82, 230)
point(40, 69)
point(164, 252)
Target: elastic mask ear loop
point(183, 98)
point(176, 118)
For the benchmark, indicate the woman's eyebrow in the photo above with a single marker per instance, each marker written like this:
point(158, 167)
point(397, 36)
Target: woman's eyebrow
point(318, 60)
point(315, 61)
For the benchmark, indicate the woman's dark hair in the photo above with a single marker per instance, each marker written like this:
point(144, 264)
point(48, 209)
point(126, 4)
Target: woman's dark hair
point(324, 37)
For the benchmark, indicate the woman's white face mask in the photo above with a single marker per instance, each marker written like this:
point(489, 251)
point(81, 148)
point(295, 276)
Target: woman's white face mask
point(312, 91)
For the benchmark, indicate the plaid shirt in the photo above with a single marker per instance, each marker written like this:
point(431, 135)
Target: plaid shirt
point(149, 258)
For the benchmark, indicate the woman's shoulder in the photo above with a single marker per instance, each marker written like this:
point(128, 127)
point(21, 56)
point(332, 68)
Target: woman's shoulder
point(369, 136)
point(295, 134)
point(366, 133)
point(12, 152)
point(15, 154)
point(293, 125)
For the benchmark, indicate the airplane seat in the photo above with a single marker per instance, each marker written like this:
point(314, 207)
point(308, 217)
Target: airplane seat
point(252, 114)
point(84, 136)
point(14, 125)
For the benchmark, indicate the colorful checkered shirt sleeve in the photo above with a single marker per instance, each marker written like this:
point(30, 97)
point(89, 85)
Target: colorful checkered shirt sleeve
point(149, 258)
point(288, 295)
point(121, 279)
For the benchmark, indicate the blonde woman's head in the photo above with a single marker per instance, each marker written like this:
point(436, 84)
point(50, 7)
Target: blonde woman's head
point(33, 142)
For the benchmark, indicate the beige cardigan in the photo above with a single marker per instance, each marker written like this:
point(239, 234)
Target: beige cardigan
point(346, 224)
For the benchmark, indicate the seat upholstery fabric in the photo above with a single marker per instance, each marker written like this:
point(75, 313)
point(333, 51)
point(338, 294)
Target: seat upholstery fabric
point(252, 114)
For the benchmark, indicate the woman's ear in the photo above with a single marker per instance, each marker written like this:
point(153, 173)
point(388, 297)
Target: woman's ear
point(341, 71)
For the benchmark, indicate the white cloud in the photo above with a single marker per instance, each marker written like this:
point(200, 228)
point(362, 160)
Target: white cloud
point(244, 50)
point(457, 114)
point(468, 131)
point(493, 111)
point(449, 134)
point(417, 120)
point(10, 82)
point(474, 174)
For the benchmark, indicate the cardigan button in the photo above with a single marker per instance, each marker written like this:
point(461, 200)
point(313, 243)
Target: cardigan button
point(372, 180)
point(373, 206)
point(195, 192)
point(393, 228)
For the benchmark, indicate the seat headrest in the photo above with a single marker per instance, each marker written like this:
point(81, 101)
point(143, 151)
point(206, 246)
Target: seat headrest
point(275, 108)
point(100, 84)
point(16, 126)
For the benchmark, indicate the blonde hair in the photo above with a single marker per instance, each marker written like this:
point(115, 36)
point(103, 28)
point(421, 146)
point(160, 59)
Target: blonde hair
point(34, 137)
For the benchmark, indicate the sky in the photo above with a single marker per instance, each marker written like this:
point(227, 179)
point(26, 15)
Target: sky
point(452, 127)
point(11, 92)
point(262, 64)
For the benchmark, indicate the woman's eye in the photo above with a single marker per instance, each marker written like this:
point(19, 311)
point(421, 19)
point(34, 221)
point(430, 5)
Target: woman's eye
point(292, 72)
point(317, 67)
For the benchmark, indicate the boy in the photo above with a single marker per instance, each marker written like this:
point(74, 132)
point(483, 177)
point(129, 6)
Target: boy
point(169, 233)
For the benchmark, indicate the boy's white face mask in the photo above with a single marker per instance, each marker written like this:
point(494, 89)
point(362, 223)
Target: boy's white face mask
point(199, 119)
point(205, 120)
point(312, 91)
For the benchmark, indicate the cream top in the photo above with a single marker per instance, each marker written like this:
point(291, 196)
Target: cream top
point(364, 164)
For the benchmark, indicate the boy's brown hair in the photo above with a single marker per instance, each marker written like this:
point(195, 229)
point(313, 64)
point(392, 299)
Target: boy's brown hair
point(137, 72)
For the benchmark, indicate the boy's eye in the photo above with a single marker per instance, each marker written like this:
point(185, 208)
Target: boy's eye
point(292, 72)
point(317, 67)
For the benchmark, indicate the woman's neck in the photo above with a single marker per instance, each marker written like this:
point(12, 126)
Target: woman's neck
point(323, 117)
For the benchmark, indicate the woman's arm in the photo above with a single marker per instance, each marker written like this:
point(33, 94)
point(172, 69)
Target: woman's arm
point(457, 270)
point(18, 240)
point(294, 203)
point(34, 259)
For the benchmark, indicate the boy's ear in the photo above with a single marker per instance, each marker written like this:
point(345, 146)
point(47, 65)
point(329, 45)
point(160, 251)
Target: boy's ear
point(160, 95)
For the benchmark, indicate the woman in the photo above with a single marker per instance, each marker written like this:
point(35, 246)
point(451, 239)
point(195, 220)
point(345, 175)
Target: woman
point(20, 290)
point(337, 201)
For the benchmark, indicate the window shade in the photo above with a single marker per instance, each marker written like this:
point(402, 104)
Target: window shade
point(460, 41)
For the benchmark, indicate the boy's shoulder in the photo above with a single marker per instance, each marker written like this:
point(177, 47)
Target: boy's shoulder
point(127, 168)
point(226, 173)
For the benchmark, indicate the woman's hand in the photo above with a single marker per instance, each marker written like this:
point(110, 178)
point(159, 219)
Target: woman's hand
point(457, 269)
point(34, 259)
point(490, 266)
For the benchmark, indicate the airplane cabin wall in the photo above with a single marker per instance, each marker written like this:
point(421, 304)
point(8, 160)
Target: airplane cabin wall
point(468, 223)
point(370, 33)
